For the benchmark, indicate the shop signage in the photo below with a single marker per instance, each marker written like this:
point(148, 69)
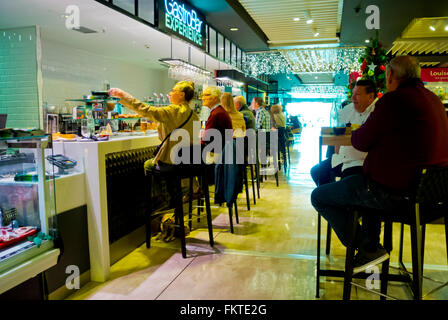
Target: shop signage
point(182, 20)
point(434, 75)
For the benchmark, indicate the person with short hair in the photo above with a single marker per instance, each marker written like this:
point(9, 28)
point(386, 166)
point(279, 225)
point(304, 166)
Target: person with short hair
point(218, 119)
point(263, 118)
point(241, 106)
point(238, 123)
point(347, 160)
point(169, 119)
point(407, 130)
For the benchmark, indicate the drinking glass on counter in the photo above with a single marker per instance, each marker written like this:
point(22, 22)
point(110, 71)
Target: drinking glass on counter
point(143, 125)
point(84, 128)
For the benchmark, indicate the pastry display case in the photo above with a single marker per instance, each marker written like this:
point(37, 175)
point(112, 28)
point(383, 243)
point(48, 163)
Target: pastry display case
point(27, 207)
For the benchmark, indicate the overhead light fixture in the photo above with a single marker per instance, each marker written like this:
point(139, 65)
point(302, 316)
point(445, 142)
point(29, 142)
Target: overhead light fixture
point(233, 29)
point(446, 27)
point(181, 70)
point(316, 34)
point(310, 21)
point(367, 41)
point(296, 19)
point(432, 28)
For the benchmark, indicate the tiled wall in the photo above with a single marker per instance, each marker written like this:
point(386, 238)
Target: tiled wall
point(18, 77)
point(70, 73)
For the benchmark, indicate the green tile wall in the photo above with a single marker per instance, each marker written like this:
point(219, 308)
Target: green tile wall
point(18, 77)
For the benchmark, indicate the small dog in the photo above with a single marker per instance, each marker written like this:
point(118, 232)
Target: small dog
point(168, 227)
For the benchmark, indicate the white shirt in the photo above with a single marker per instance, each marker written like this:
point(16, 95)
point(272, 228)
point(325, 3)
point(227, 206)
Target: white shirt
point(348, 155)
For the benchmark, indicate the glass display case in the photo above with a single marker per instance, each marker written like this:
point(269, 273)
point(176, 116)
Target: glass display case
point(27, 204)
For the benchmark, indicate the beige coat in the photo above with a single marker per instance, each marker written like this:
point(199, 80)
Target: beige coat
point(238, 124)
point(169, 119)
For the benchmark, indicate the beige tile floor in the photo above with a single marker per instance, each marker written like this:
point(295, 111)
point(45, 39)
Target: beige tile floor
point(271, 255)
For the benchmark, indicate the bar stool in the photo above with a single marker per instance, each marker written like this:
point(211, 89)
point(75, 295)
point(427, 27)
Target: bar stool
point(428, 201)
point(270, 136)
point(173, 179)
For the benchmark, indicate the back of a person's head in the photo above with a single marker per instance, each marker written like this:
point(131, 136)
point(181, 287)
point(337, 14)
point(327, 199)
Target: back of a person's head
point(276, 109)
point(369, 85)
point(260, 101)
point(404, 68)
point(227, 102)
point(240, 99)
point(186, 87)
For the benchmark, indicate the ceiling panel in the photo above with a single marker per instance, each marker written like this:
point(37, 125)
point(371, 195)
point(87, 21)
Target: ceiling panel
point(276, 19)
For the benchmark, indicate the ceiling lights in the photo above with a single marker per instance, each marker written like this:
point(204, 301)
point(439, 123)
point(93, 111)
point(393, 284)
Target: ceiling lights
point(233, 29)
point(184, 71)
point(432, 28)
point(296, 19)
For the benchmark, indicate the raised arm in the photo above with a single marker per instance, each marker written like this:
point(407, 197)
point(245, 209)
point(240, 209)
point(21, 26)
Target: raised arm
point(158, 114)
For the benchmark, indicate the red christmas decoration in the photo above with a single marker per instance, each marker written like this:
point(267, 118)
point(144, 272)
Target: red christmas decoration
point(364, 65)
point(383, 67)
point(379, 95)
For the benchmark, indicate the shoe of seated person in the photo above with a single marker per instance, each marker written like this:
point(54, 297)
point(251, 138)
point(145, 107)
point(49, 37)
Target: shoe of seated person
point(365, 259)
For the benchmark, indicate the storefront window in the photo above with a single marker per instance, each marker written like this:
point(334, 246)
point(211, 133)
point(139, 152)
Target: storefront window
point(238, 58)
point(212, 39)
point(220, 47)
point(227, 50)
point(128, 5)
point(146, 10)
point(243, 61)
point(233, 53)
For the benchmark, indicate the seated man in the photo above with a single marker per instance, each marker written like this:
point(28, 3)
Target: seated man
point(218, 119)
point(348, 160)
point(407, 130)
point(241, 106)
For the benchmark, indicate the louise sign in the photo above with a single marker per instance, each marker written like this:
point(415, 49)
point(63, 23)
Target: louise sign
point(180, 19)
point(435, 75)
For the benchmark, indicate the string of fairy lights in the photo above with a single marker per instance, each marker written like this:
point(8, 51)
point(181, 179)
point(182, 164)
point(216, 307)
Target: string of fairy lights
point(337, 59)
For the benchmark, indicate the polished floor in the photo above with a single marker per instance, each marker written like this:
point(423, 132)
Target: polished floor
point(271, 255)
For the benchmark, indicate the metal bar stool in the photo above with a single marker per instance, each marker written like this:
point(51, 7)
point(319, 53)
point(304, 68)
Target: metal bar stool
point(173, 179)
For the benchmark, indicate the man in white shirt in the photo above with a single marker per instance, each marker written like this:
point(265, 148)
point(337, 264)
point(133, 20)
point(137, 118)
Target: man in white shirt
point(347, 160)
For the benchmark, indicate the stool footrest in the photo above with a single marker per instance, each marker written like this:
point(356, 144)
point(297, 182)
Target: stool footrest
point(363, 275)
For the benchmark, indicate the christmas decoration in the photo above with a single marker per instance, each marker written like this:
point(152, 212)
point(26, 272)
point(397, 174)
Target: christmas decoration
point(372, 67)
point(310, 60)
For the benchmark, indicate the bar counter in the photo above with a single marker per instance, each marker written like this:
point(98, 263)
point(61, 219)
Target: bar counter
point(93, 157)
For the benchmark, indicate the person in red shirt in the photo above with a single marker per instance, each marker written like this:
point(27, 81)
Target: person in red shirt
point(408, 129)
point(218, 119)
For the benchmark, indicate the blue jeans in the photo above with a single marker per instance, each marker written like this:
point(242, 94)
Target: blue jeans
point(334, 201)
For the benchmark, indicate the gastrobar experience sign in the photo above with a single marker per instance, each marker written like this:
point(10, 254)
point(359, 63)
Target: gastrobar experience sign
point(182, 20)
point(434, 75)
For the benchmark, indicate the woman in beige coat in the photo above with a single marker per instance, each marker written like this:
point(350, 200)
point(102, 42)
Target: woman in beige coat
point(238, 123)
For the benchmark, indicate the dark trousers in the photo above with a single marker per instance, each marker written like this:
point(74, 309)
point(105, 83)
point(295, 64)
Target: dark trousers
point(323, 173)
point(334, 201)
